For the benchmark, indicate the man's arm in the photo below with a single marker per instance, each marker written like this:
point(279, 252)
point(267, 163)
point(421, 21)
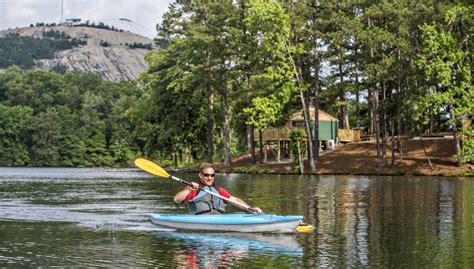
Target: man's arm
point(238, 200)
point(180, 196)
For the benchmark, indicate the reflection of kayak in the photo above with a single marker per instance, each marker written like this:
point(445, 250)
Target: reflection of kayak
point(279, 243)
point(229, 222)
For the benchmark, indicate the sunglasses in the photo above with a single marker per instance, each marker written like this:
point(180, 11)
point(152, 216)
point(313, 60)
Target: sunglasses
point(208, 175)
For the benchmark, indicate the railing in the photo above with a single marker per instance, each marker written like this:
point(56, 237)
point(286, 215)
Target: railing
point(274, 134)
point(349, 135)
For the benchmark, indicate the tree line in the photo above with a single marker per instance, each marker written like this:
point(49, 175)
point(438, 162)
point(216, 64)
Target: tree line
point(23, 51)
point(75, 119)
point(225, 70)
point(395, 67)
point(99, 25)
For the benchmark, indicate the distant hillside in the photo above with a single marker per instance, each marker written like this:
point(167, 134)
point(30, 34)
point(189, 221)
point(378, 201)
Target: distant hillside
point(113, 55)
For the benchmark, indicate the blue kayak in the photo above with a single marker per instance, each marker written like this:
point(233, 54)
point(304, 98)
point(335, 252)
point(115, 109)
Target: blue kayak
point(229, 222)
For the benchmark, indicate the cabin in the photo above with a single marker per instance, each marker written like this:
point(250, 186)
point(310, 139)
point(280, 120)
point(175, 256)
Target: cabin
point(276, 141)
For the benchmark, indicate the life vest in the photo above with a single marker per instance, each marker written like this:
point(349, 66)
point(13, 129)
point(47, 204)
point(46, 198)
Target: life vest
point(205, 203)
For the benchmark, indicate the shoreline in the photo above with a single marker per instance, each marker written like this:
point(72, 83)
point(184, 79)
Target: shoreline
point(348, 159)
point(360, 158)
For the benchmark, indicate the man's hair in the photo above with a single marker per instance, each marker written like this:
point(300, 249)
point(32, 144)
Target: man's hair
point(206, 165)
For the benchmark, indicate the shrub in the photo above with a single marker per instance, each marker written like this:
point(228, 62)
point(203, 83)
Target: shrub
point(252, 170)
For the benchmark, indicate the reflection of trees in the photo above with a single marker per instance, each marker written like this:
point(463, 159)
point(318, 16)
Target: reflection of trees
point(276, 194)
point(446, 215)
point(355, 221)
point(464, 240)
point(388, 221)
point(372, 221)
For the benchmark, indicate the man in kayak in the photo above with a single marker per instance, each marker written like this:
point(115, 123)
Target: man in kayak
point(200, 202)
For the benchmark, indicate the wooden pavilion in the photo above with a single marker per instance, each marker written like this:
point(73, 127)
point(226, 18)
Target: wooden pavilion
point(276, 141)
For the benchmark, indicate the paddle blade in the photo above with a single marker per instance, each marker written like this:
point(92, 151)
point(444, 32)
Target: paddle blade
point(151, 168)
point(305, 228)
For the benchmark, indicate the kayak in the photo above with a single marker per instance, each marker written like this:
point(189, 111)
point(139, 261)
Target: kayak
point(247, 223)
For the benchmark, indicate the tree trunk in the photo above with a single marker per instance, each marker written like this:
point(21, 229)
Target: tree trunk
point(356, 76)
point(210, 124)
point(304, 103)
point(226, 140)
point(251, 143)
point(431, 119)
point(308, 130)
point(342, 96)
point(174, 155)
point(373, 96)
point(400, 111)
point(399, 140)
point(250, 131)
point(384, 128)
point(439, 121)
point(375, 109)
point(309, 136)
point(300, 159)
point(186, 156)
point(210, 105)
point(316, 125)
point(370, 113)
point(227, 157)
point(426, 153)
point(455, 131)
point(377, 126)
point(297, 72)
point(222, 145)
point(392, 129)
point(316, 61)
point(260, 140)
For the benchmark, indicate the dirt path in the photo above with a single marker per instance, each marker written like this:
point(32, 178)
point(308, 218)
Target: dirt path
point(361, 158)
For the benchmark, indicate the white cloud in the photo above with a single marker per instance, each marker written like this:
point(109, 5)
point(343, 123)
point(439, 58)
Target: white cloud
point(21, 13)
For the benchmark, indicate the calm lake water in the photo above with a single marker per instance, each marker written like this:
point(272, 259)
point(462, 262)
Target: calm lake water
point(93, 217)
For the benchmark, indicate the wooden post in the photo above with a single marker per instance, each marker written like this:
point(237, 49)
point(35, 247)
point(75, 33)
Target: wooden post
point(289, 150)
point(426, 154)
point(265, 159)
point(278, 151)
point(300, 160)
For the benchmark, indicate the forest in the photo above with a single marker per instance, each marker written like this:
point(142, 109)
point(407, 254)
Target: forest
point(225, 70)
point(24, 50)
point(72, 120)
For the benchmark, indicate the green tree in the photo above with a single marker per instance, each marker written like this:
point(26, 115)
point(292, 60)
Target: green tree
point(446, 60)
point(15, 127)
point(271, 78)
point(46, 138)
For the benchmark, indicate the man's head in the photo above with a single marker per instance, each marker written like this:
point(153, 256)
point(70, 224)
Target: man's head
point(207, 174)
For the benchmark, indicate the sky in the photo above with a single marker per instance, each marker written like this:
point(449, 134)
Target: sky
point(144, 14)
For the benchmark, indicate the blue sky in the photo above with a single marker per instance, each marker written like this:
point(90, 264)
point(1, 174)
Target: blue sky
point(144, 14)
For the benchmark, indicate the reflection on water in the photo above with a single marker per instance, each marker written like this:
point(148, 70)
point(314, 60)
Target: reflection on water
point(228, 249)
point(391, 222)
point(93, 217)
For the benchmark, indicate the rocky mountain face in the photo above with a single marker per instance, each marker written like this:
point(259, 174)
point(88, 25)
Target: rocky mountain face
point(106, 52)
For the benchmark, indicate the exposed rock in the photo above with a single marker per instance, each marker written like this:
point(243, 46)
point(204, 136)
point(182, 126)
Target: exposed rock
point(113, 62)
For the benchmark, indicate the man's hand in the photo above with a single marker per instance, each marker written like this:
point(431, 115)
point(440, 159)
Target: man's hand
point(180, 196)
point(194, 187)
point(259, 211)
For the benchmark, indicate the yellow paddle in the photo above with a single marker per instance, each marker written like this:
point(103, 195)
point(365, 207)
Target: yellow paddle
point(305, 228)
point(157, 170)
